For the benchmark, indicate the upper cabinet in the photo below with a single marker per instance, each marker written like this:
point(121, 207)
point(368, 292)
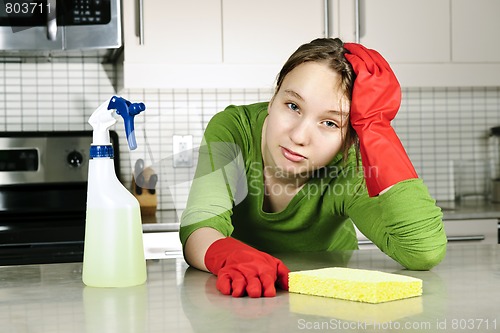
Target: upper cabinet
point(243, 44)
point(268, 32)
point(403, 31)
point(427, 42)
point(172, 31)
point(475, 31)
point(162, 37)
point(214, 43)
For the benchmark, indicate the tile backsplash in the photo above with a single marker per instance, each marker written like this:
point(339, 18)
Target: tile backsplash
point(436, 125)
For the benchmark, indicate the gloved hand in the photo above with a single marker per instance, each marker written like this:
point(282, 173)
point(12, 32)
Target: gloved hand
point(241, 268)
point(376, 99)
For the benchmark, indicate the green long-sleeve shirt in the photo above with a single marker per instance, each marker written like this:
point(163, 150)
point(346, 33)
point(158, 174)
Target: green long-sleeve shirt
point(227, 194)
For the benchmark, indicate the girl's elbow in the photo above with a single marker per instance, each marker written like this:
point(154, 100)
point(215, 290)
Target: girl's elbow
point(424, 261)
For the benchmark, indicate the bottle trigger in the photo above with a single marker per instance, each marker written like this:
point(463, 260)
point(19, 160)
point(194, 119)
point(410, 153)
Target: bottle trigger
point(127, 111)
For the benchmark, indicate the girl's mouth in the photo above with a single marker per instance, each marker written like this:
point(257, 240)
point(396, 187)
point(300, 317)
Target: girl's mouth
point(291, 155)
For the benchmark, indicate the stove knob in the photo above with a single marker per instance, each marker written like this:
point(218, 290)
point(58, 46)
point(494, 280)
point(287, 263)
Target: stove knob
point(75, 159)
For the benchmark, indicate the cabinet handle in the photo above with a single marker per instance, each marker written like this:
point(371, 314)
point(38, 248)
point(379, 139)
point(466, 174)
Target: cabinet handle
point(450, 239)
point(357, 21)
point(51, 20)
point(326, 7)
point(141, 22)
point(465, 238)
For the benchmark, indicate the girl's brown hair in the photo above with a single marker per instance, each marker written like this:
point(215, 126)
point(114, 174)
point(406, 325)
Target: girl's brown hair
point(329, 51)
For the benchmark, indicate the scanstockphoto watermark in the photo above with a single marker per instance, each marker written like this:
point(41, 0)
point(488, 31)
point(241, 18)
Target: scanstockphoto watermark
point(453, 324)
point(344, 325)
point(345, 180)
point(331, 171)
point(322, 187)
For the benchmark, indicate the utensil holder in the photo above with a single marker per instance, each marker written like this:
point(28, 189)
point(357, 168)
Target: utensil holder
point(145, 194)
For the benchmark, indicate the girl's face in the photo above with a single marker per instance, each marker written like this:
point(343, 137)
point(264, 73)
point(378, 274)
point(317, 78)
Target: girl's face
point(307, 121)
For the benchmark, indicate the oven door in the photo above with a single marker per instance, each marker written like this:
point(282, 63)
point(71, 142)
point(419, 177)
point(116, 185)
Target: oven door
point(43, 223)
point(27, 239)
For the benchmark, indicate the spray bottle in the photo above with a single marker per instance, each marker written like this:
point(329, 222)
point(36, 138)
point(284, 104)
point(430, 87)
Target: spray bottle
point(113, 252)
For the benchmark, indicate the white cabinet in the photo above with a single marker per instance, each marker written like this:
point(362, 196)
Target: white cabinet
point(469, 231)
point(473, 231)
point(475, 31)
point(165, 36)
point(434, 43)
point(267, 32)
point(404, 31)
point(243, 44)
point(162, 245)
point(174, 31)
point(363, 242)
point(214, 43)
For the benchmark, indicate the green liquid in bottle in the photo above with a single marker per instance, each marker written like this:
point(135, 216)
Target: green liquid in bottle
point(114, 252)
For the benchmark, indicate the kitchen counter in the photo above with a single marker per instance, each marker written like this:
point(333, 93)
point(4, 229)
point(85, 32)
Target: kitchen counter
point(469, 209)
point(460, 294)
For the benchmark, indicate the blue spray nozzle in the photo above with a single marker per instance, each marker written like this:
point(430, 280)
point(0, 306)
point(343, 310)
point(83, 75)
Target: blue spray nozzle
point(128, 111)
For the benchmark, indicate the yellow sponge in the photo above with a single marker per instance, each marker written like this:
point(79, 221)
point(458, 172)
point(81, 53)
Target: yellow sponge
point(354, 284)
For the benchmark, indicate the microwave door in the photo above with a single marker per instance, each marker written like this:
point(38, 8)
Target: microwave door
point(99, 27)
point(92, 37)
point(26, 25)
point(32, 38)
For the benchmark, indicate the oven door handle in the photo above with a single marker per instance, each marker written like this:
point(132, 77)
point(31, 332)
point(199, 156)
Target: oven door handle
point(51, 20)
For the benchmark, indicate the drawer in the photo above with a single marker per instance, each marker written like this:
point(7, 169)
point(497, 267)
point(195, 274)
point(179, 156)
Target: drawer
point(471, 231)
point(162, 245)
point(363, 242)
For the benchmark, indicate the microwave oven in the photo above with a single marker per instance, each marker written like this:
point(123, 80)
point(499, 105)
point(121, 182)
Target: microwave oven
point(50, 25)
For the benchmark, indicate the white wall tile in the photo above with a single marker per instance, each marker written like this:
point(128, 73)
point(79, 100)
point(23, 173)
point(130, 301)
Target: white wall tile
point(435, 125)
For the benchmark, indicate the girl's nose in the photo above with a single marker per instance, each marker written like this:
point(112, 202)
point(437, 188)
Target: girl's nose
point(300, 133)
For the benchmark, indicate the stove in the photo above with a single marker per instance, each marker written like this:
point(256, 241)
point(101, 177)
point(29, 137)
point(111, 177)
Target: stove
point(43, 194)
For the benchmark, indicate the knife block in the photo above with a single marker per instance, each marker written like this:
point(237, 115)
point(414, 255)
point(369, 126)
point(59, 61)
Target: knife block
point(148, 200)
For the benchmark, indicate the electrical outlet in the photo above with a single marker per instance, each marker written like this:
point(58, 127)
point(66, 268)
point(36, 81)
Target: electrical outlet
point(183, 151)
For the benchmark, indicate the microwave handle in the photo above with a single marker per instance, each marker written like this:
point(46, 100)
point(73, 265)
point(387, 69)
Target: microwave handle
point(51, 20)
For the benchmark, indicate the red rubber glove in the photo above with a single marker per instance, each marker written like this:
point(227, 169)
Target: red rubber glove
point(241, 268)
point(376, 99)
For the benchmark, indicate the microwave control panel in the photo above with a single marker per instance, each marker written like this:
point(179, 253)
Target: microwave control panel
point(88, 12)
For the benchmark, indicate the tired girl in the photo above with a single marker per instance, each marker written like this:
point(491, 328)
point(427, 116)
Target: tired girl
point(294, 174)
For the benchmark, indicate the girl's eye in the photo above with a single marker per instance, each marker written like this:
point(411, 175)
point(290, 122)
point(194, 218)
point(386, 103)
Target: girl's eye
point(293, 107)
point(331, 124)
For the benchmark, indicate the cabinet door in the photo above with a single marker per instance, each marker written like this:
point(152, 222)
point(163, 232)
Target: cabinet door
point(403, 31)
point(268, 32)
point(175, 32)
point(484, 231)
point(475, 29)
